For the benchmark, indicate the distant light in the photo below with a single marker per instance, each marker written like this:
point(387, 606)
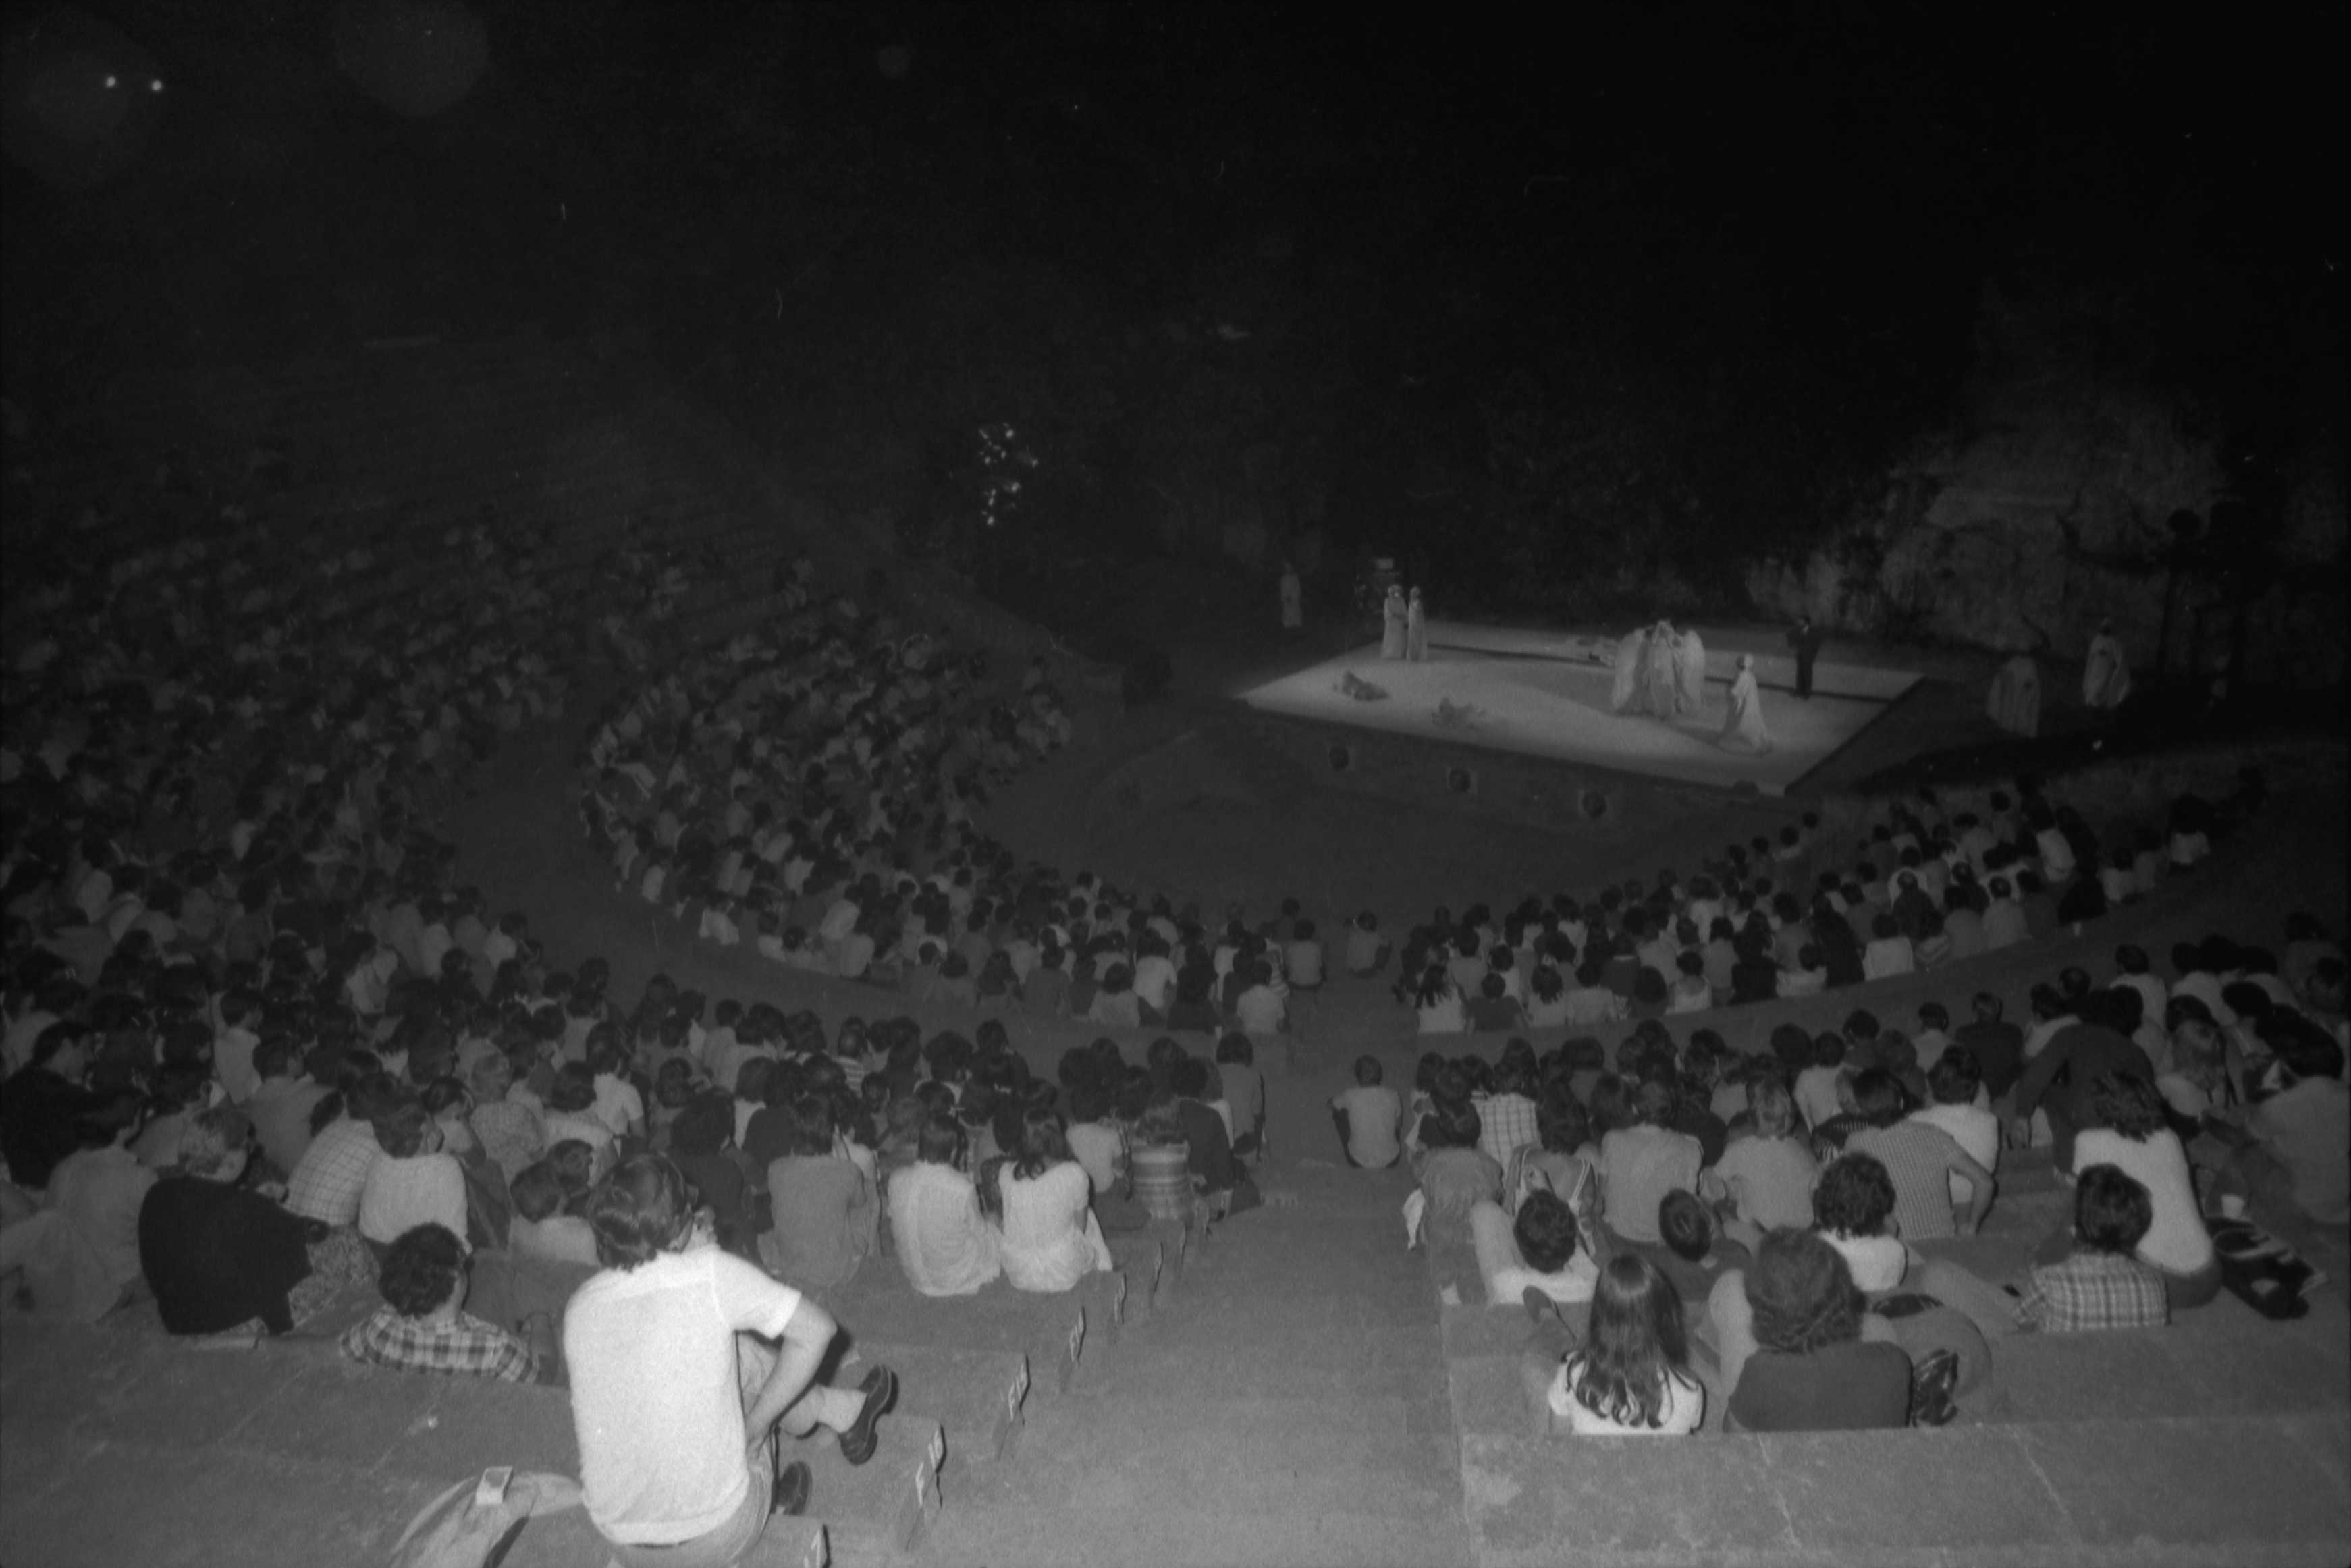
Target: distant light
point(155, 86)
point(112, 81)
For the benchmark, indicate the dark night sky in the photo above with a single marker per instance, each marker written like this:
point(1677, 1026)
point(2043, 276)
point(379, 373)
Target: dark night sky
point(1785, 212)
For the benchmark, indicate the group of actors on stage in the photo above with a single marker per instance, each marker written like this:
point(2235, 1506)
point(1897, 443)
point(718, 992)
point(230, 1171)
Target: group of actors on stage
point(1404, 626)
point(1662, 672)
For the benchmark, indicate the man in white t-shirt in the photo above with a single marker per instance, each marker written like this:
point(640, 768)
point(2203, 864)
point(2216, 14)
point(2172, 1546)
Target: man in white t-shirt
point(675, 1391)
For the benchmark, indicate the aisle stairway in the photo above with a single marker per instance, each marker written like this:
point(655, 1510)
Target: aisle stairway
point(1287, 1405)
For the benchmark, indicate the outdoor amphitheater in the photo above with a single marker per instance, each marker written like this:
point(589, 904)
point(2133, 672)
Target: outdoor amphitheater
point(479, 580)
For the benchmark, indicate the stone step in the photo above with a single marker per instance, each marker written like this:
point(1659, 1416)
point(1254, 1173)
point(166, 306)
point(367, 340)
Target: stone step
point(1118, 1454)
point(1246, 1373)
point(978, 1396)
point(1225, 1356)
point(1051, 1331)
point(2213, 1490)
point(1089, 1533)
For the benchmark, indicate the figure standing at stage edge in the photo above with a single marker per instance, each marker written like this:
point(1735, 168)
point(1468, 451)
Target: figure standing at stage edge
point(1416, 629)
point(1294, 599)
point(1806, 639)
point(1742, 728)
point(2106, 673)
point(1392, 618)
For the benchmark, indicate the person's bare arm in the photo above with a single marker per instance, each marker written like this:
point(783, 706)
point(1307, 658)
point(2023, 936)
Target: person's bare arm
point(806, 1338)
point(1980, 1183)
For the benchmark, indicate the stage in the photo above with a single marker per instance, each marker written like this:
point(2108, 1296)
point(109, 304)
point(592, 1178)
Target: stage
point(1545, 695)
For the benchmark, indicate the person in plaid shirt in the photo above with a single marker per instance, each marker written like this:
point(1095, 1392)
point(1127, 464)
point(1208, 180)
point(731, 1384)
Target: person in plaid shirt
point(1506, 1118)
point(422, 1325)
point(2101, 1285)
point(327, 1184)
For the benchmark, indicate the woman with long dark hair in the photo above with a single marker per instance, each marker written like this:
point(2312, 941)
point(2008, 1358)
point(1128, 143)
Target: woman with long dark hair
point(1631, 1377)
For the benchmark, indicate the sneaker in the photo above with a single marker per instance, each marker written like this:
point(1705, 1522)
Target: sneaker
point(881, 1390)
point(791, 1494)
point(1932, 1382)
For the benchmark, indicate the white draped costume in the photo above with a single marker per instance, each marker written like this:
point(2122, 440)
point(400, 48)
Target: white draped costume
point(1660, 684)
point(1416, 629)
point(1689, 675)
point(1392, 625)
point(1630, 656)
point(2106, 673)
point(2015, 702)
point(1742, 728)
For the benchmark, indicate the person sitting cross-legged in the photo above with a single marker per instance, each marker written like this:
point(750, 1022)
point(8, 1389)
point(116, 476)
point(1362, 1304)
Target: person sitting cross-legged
point(685, 1361)
point(422, 1325)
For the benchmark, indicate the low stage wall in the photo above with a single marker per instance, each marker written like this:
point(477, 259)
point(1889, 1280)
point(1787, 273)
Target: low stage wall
point(1537, 791)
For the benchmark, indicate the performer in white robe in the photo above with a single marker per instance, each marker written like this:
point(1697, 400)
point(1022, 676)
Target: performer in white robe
point(1391, 624)
point(1742, 728)
point(1294, 599)
point(2106, 673)
point(1631, 657)
point(2015, 702)
point(1416, 629)
point(1659, 689)
point(1689, 675)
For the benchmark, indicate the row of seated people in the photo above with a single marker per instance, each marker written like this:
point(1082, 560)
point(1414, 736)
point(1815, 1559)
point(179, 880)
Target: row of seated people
point(496, 1122)
point(1923, 892)
point(1551, 1168)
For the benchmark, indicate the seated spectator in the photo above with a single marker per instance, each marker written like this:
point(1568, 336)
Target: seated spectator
point(1506, 1118)
point(1639, 1163)
point(2133, 1138)
point(1244, 1088)
point(2103, 1285)
point(1694, 1250)
point(1540, 1250)
point(1563, 1160)
point(422, 1325)
point(1633, 1377)
point(1051, 1239)
point(1921, 1158)
point(224, 1260)
point(1367, 950)
point(327, 1184)
point(825, 1214)
point(2298, 1163)
point(40, 1101)
point(282, 1105)
point(1766, 1176)
point(1455, 1174)
point(1214, 1171)
point(1961, 1109)
point(1793, 1351)
point(412, 1182)
point(1368, 1117)
point(100, 1187)
point(945, 1245)
point(1815, 1090)
point(540, 1230)
point(572, 1116)
point(1301, 958)
point(1851, 1207)
point(672, 1370)
point(1439, 1003)
point(698, 1140)
point(2058, 1078)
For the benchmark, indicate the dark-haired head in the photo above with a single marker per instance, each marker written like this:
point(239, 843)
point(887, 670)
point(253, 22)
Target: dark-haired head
point(1802, 1294)
point(1546, 1232)
point(1854, 1196)
point(638, 1212)
point(2112, 1212)
point(421, 1269)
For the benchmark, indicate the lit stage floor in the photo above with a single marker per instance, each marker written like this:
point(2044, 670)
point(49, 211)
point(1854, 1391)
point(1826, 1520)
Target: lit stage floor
point(1544, 694)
